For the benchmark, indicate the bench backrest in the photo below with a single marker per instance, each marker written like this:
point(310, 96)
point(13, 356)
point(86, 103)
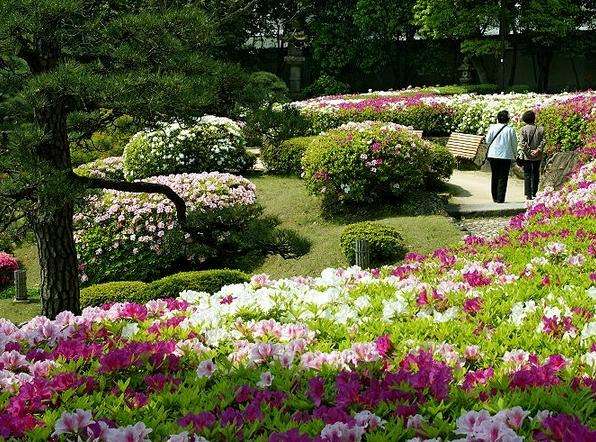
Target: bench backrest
point(418, 132)
point(464, 145)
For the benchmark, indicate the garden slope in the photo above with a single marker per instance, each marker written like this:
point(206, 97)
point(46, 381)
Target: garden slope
point(493, 340)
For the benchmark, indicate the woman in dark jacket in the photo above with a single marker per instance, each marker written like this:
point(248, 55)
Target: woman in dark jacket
point(531, 152)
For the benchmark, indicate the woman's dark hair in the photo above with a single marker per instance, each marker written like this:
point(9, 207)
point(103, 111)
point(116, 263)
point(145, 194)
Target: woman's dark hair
point(503, 117)
point(529, 117)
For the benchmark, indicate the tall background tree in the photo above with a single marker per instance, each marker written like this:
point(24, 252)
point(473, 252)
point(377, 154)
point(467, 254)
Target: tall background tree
point(71, 67)
point(540, 26)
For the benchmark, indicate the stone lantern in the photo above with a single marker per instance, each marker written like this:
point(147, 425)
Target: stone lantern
point(465, 76)
point(295, 60)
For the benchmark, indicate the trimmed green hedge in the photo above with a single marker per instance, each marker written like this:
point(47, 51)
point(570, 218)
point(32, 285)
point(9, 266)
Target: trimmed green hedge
point(285, 158)
point(116, 291)
point(386, 244)
point(169, 287)
point(201, 281)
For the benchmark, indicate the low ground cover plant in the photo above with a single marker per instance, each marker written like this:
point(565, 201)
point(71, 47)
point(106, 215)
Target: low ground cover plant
point(489, 340)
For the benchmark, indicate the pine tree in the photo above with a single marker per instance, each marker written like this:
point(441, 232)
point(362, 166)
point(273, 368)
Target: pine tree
point(69, 68)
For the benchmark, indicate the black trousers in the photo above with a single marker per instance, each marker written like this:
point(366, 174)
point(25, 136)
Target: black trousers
point(531, 178)
point(500, 176)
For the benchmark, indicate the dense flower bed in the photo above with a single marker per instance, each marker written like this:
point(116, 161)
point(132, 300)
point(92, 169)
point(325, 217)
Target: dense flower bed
point(122, 235)
point(491, 341)
point(211, 144)
point(470, 113)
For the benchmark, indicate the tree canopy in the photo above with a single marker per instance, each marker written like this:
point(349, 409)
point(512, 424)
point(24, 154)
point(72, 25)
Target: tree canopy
point(71, 67)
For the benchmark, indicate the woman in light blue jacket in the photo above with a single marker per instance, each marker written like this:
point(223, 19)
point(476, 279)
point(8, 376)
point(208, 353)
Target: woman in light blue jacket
point(502, 150)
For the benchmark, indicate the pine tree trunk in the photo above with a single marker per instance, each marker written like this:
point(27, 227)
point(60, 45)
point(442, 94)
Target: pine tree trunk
point(58, 262)
point(53, 220)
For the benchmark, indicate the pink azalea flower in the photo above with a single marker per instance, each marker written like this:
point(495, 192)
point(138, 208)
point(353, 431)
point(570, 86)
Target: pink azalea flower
point(206, 369)
point(72, 422)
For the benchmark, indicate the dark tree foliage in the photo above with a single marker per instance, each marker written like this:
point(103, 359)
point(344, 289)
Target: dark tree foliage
point(69, 68)
point(543, 26)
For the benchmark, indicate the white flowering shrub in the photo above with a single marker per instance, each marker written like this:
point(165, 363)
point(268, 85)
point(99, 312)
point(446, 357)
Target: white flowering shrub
point(136, 236)
point(211, 144)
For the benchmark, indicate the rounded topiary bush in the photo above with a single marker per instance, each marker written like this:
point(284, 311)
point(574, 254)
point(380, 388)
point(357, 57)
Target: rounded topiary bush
point(136, 236)
point(265, 88)
point(365, 162)
point(386, 244)
point(116, 291)
point(8, 264)
point(211, 144)
point(107, 168)
point(442, 164)
point(285, 158)
point(209, 281)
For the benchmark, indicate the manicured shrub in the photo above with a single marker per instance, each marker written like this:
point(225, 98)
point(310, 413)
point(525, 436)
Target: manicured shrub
point(209, 281)
point(168, 287)
point(136, 236)
point(212, 144)
point(326, 85)
point(116, 291)
point(454, 89)
point(364, 163)
point(442, 164)
point(8, 264)
point(265, 88)
point(285, 158)
point(272, 125)
point(386, 244)
point(107, 168)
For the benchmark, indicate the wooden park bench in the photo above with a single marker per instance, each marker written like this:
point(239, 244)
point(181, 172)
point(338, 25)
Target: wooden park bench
point(464, 145)
point(418, 132)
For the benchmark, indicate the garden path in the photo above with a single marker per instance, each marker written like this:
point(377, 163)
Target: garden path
point(473, 187)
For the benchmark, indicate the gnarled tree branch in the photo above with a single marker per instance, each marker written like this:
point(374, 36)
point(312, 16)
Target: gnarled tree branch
point(142, 187)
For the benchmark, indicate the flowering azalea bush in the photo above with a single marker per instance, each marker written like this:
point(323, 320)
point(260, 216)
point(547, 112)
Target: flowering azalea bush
point(211, 144)
point(365, 162)
point(8, 264)
point(136, 236)
point(569, 118)
point(492, 340)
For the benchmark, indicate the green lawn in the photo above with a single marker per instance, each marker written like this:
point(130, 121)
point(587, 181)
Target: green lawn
point(27, 255)
point(286, 197)
point(18, 312)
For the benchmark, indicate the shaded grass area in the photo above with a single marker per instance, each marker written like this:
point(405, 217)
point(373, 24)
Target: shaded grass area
point(18, 312)
point(27, 256)
point(287, 198)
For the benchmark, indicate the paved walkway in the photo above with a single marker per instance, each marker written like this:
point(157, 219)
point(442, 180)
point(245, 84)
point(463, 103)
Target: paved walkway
point(470, 195)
